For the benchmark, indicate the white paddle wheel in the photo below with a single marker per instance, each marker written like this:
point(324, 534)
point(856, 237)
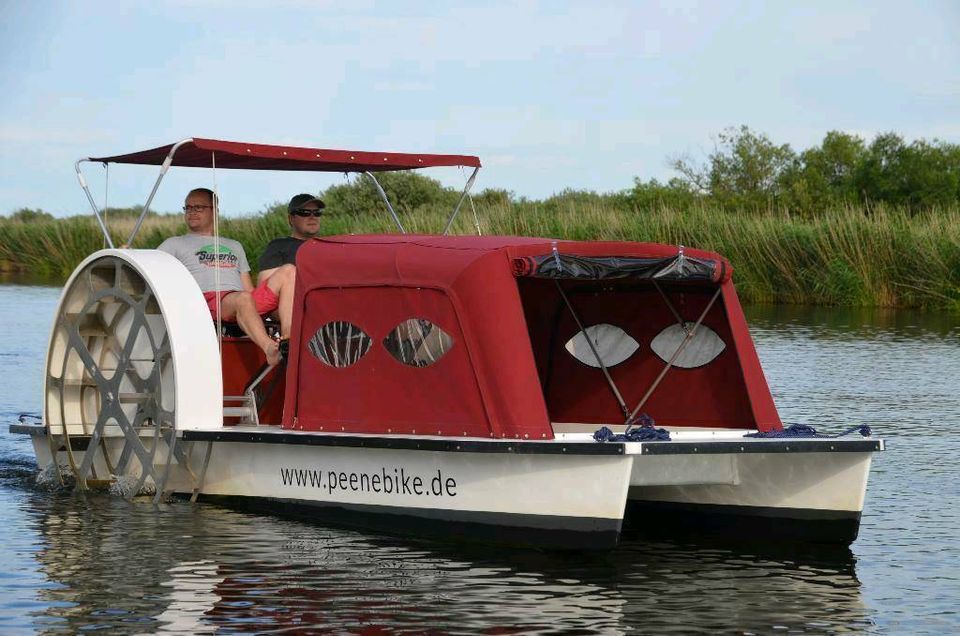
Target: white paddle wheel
point(133, 360)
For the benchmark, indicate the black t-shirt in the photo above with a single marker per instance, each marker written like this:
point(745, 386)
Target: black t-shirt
point(281, 251)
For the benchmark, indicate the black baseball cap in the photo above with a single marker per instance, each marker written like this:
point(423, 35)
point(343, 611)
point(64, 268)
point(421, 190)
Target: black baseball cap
point(301, 200)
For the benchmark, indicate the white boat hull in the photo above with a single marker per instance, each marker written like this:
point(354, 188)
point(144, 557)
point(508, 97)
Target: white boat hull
point(811, 489)
point(571, 492)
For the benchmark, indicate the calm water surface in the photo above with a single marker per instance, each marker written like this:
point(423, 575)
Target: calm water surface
point(82, 563)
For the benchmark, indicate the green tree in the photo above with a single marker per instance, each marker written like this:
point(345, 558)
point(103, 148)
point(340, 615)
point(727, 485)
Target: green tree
point(745, 170)
point(930, 174)
point(879, 176)
point(825, 176)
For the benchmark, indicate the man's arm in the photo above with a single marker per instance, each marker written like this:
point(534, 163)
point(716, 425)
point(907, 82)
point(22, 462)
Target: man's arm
point(244, 268)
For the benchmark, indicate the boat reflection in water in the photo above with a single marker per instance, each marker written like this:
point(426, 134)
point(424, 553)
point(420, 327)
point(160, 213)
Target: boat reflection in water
point(129, 566)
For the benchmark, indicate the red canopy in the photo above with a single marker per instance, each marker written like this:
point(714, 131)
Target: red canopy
point(233, 155)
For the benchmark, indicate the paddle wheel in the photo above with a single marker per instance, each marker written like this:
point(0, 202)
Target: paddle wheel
point(131, 361)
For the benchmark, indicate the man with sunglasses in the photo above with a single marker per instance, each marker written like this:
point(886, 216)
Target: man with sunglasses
point(239, 300)
point(303, 215)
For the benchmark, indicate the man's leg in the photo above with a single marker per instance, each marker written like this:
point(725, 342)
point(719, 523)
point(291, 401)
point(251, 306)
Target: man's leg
point(282, 283)
point(239, 306)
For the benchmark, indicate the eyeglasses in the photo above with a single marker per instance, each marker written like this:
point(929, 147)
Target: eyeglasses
point(196, 208)
point(306, 212)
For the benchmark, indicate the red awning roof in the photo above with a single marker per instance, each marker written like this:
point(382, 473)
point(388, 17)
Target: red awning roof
point(233, 155)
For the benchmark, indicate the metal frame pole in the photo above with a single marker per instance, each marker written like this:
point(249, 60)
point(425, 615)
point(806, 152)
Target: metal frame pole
point(93, 204)
point(676, 354)
point(603, 367)
point(163, 171)
point(383, 195)
point(463, 195)
point(673, 310)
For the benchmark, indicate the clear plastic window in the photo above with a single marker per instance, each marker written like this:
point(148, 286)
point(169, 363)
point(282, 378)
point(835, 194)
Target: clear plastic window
point(339, 343)
point(417, 342)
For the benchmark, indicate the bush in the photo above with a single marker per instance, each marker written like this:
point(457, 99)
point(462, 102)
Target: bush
point(29, 215)
point(407, 191)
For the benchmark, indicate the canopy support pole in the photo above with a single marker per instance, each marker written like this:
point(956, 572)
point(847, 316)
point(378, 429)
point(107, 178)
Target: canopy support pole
point(163, 171)
point(383, 195)
point(673, 310)
point(603, 367)
point(93, 204)
point(676, 354)
point(463, 195)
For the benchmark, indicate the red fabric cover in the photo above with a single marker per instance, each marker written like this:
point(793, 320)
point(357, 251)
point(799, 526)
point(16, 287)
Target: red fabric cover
point(378, 393)
point(229, 155)
point(765, 413)
point(489, 383)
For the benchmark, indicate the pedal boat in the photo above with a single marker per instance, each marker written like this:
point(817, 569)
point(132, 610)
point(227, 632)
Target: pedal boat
point(441, 386)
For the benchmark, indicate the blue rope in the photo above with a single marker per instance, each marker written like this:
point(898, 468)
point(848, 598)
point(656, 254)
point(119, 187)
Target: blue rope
point(643, 431)
point(803, 430)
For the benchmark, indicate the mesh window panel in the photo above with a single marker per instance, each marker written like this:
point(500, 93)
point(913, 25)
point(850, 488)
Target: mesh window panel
point(339, 343)
point(417, 342)
point(703, 348)
point(613, 344)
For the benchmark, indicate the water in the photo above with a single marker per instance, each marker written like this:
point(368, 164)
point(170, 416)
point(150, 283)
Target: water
point(76, 563)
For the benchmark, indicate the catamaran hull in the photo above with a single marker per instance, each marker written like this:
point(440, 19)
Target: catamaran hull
point(811, 490)
point(567, 494)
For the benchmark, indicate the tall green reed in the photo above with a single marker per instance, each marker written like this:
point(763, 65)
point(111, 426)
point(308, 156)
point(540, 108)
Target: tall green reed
point(853, 256)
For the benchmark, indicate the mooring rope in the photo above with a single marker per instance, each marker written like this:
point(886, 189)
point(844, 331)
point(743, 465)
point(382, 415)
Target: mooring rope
point(216, 249)
point(804, 430)
point(644, 430)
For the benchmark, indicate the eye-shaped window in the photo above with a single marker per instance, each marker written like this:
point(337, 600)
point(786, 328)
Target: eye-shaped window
point(339, 343)
point(613, 345)
point(703, 348)
point(417, 342)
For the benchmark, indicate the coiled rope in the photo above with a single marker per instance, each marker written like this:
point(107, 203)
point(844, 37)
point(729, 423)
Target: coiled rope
point(643, 429)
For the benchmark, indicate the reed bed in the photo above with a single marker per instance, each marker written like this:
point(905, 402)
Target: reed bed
point(851, 256)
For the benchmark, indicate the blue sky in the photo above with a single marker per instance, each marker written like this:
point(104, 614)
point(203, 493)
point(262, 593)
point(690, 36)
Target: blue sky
point(550, 95)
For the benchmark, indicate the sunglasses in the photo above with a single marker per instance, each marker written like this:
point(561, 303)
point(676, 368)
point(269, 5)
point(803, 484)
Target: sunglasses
point(303, 212)
point(196, 208)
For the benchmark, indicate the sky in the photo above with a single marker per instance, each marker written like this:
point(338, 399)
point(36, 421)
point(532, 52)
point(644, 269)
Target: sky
point(550, 95)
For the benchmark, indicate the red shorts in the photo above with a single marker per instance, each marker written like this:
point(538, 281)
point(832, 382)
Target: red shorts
point(264, 298)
